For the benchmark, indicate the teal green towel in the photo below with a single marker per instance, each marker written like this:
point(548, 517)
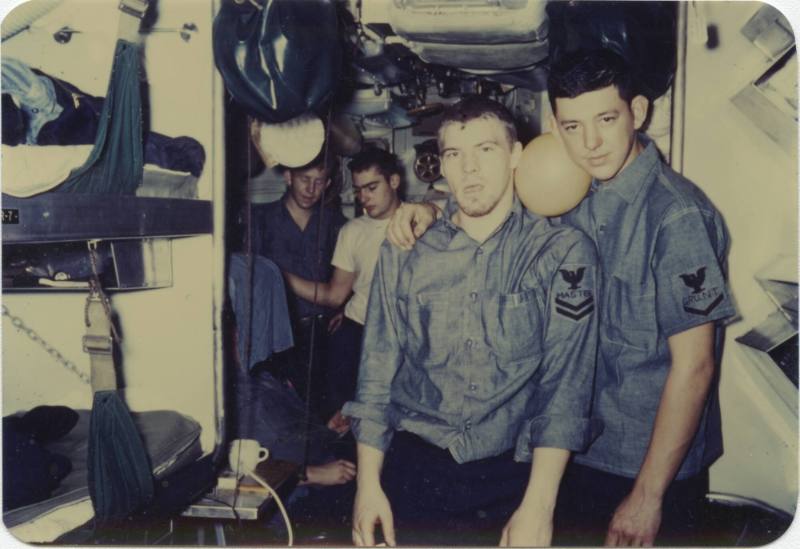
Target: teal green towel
point(116, 163)
point(120, 474)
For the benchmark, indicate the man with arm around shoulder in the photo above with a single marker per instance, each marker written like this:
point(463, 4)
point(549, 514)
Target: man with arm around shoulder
point(662, 249)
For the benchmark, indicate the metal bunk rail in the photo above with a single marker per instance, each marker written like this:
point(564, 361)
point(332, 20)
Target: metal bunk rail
point(65, 217)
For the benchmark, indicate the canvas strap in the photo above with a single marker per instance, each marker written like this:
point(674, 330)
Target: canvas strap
point(100, 332)
point(130, 19)
point(99, 343)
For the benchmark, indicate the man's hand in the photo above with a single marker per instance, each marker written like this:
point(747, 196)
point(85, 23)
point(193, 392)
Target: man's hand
point(409, 222)
point(638, 517)
point(528, 530)
point(335, 322)
point(635, 522)
point(339, 423)
point(330, 474)
point(371, 507)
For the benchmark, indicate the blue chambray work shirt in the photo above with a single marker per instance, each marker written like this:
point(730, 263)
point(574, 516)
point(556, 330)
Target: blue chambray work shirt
point(481, 347)
point(305, 253)
point(662, 247)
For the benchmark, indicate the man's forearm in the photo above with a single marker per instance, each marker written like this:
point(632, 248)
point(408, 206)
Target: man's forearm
point(547, 468)
point(306, 289)
point(637, 518)
point(322, 293)
point(370, 463)
point(679, 413)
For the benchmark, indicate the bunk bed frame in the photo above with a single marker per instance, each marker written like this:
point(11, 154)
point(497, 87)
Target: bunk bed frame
point(51, 221)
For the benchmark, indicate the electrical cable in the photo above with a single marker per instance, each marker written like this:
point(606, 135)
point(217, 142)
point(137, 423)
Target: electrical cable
point(226, 504)
point(244, 362)
point(255, 476)
point(317, 265)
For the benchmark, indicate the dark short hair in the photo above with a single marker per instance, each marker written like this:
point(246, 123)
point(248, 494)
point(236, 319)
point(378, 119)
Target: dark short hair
point(582, 71)
point(383, 161)
point(473, 107)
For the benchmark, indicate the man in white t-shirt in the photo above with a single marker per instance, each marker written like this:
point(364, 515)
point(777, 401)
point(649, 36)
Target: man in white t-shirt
point(376, 179)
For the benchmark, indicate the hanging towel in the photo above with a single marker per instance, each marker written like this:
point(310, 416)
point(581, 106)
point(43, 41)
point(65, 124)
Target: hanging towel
point(120, 474)
point(116, 163)
point(269, 314)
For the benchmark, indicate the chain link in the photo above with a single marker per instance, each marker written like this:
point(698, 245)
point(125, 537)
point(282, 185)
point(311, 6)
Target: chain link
point(19, 324)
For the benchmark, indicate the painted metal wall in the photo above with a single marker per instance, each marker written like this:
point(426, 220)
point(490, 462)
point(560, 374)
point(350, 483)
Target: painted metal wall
point(171, 338)
point(753, 182)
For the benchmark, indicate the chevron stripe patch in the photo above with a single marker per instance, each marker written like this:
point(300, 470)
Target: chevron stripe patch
point(575, 315)
point(573, 297)
point(701, 297)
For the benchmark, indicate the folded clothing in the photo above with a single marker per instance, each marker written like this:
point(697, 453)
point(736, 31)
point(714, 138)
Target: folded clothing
point(39, 109)
point(30, 471)
point(172, 440)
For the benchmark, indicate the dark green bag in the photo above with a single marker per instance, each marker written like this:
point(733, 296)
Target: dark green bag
point(280, 61)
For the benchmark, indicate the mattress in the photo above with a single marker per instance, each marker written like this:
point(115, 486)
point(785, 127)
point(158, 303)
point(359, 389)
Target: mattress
point(171, 440)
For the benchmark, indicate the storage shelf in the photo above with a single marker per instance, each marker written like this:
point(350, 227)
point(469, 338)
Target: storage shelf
point(56, 217)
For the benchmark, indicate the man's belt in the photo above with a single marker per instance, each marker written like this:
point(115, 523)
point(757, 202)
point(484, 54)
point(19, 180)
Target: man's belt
point(307, 320)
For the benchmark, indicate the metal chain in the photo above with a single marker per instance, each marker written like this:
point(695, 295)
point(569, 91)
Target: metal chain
point(19, 324)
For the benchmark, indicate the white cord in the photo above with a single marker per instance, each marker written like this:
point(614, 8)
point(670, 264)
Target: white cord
point(274, 494)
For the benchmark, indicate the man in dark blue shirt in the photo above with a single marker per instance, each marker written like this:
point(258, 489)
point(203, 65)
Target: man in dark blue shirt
point(478, 357)
point(299, 232)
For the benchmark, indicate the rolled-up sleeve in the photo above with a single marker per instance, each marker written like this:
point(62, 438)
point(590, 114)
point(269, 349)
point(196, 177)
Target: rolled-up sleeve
point(562, 397)
point(381, 355)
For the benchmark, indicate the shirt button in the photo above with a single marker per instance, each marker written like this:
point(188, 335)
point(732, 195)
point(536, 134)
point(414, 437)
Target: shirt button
point(473, 296)
point(469, 343)
point(467, 425)
point(473, 387)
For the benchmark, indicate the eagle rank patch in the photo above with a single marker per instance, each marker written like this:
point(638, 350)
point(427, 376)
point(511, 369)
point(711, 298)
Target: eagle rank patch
point(700, 298)
point(574, 292)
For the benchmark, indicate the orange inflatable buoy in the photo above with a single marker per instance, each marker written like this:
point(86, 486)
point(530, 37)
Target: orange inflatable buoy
point(547, 181)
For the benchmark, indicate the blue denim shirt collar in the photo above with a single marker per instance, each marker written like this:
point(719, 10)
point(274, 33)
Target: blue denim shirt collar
point(634, 179)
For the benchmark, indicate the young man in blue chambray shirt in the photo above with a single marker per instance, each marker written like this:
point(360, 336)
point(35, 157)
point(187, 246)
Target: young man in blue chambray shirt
point(478, 357)
point(662, 248)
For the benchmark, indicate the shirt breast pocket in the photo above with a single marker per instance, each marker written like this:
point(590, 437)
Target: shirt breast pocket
point(428, 335)
point(514, 325)
point(630, 316)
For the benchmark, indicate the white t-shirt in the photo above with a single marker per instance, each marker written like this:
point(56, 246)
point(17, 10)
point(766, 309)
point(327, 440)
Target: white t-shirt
point(357, 252)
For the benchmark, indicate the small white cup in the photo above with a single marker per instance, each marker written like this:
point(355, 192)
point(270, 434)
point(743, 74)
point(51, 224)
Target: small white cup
point(245, 454)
